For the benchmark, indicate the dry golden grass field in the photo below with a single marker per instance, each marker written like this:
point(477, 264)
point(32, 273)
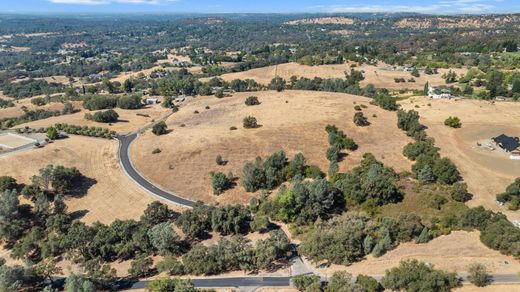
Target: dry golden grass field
point(15, 111)
point(292, 120)
point(487, 173)
point(113, 196)
point(381, 75)
point(129, 120)
point(454, 253)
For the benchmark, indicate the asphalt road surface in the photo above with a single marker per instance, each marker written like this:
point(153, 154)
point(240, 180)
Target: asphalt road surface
point(230, 282)
point(124, 158)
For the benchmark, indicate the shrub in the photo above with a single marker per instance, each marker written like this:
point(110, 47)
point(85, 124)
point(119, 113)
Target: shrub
point(360, 119)
point(511, 195)
point(477, 275)
point(171, 285)
point(219, 93)
point(252, 100)
point(108, 116)
point(220, 182)
point(219, 160)
point(459, 192)
point(233, 128)
point(52, 133)
point(453, 122)
point(156, 151)
point(160, 128)
point(307, 283)
point(250, 122)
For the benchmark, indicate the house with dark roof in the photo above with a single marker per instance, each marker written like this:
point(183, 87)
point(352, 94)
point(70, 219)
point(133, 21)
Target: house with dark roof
point(507, 143)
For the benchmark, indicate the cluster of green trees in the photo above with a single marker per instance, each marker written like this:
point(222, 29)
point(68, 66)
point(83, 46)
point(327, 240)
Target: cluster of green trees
point(98, 102)
point(340, 281)
point(6, 103)
point(370, 183)
point(44, 232)
point(34, 115)
point(429, 166)
point(511, 195)
point(412, 275)
point(237, 253)
point(30, 87)
point(302, 204)
point(108, 116)
point(348, 238)
point(274, 170)
point(338, 141)
point(86, 130)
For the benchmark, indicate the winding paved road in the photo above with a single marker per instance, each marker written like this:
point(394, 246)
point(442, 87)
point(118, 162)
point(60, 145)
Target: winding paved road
point(126, 163)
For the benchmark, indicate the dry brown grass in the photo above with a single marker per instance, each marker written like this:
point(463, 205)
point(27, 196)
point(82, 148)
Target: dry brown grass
point(487, 173)
point(489, 288)
point(128, 119)
point(188, 153)
point(454, 253)
point(12, 112)
point(113, 196)
point(380, 75)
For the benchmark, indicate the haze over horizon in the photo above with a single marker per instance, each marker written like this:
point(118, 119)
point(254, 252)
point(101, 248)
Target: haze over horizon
point(266, 6)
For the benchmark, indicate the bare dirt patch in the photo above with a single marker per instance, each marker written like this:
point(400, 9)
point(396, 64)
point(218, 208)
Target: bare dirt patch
point(454, 253)
point(9, 140)
point(291, 120)
point(487, 173)
point(381, 75)
point(113, 196)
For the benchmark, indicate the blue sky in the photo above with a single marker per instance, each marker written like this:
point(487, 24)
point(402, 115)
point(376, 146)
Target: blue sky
point(278, 6)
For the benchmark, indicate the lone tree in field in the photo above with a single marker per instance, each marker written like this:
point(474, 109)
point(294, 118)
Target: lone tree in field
point(160, 128)
point(478, 275)
point(219, 182)
point(52, 133)
point(252, 100)
point(250, 122)
point(219, 160)
point(360, 120)
point(453, 122)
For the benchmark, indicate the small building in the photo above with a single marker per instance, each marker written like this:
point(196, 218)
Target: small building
point(503, 98)
point(507, 143)
point(438, 93)
point(151, 101)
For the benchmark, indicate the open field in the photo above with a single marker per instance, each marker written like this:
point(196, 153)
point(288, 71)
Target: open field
point(292, 120)
point(129, 120)
point(454, 253)
point(15, 111)
point(113, 196)
point(13, 140)
point(489, 288)
point(381, 75)
point(486, 173)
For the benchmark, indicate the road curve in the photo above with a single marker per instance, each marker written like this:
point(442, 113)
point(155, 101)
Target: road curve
point(126, 163)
